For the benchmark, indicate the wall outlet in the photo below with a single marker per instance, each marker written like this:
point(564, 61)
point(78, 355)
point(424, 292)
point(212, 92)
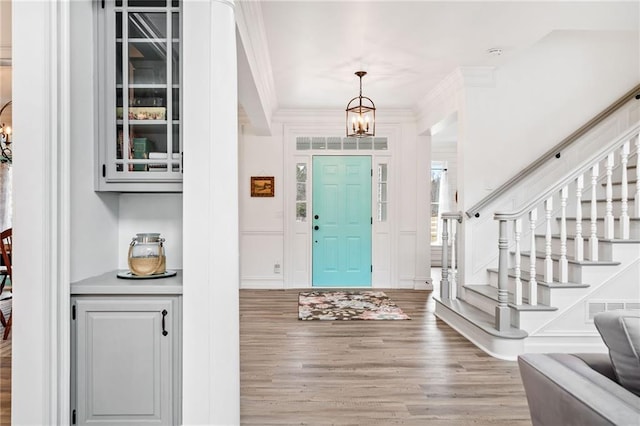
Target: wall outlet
point(276, 267)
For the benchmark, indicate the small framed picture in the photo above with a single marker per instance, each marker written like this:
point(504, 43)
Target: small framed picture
point(262, 186)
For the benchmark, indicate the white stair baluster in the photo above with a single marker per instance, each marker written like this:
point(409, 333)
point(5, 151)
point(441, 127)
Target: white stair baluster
point(636, 213)
point(518, 290)
point(563, 267)
point(579, 241)
point(608, 217)
point(593, 237)
point(533, 284)
point(454, 267)
point(548, 262)
point(624, 206)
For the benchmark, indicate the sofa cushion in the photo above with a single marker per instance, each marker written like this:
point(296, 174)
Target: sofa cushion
point(620, 331)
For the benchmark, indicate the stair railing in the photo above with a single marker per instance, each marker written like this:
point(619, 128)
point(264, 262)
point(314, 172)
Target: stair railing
point(619, 147)
point(554, 152)
point(448, 287)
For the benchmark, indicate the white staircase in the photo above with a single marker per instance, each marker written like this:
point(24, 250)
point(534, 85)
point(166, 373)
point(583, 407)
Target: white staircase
point(579, 240)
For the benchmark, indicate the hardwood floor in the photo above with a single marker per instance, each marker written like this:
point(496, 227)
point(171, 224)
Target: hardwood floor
point(357, 372)
point(368, 372)
point(5, 370)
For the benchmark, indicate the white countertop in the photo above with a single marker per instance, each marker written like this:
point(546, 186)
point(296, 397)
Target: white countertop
point(109, 284)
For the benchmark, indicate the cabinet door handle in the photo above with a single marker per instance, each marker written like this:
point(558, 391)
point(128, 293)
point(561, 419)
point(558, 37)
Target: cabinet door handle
point(164, 315)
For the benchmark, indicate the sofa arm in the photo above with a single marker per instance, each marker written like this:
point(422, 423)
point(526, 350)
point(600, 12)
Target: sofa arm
point(563, 390)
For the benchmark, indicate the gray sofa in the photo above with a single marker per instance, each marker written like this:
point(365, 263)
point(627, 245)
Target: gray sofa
point(588, 389)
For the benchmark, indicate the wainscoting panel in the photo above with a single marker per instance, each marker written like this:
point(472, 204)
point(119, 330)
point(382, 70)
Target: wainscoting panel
point(261, 255)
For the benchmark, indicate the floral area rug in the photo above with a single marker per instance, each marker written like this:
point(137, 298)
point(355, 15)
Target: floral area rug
point(348, 305)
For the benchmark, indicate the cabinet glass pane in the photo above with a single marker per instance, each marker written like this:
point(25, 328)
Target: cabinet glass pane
point(149, 25)
point(175, 26)
point(148, 139)
point(118, 25)
point(149, 97)
point(147, 63)
point(121, 147)
point(119, 62)
point(175, 64)
point(175, 3)
point(175, 102)
point(176, 138)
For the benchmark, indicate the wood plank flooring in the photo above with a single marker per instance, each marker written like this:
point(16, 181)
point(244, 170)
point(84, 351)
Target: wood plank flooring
point(412, 372)
point(5, 370)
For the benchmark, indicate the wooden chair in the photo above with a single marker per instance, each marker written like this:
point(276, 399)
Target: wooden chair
point(6, 250)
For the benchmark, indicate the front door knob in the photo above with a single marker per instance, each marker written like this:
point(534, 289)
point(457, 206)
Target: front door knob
point(316, 227)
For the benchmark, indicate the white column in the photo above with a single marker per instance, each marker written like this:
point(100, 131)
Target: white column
point(41, 179)
point(211, 376)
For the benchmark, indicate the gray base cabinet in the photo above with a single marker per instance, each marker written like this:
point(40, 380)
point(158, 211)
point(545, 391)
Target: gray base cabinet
point(126, 357)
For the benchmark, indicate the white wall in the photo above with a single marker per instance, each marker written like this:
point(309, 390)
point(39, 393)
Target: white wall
point(541, 96)
point(104, 223)
point(151, 213)
point(261, 218)
point(94, 216)
point(402, 251)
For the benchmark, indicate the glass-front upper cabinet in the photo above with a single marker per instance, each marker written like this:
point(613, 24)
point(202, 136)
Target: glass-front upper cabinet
point(139, 70)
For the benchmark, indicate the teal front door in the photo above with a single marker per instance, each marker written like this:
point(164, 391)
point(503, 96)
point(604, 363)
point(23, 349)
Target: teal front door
point(341, 221)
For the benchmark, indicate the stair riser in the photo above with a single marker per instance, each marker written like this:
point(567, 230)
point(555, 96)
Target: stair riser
point(601, 208)
point(480, 301)
point(603, 253)
point(543, 292)
point(574, 270)
point(634, 228)
point(616, 190)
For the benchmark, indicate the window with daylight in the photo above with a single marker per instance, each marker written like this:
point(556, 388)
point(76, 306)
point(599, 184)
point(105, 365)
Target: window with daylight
point(301, 192)
point(438, 192)
point(382, 200)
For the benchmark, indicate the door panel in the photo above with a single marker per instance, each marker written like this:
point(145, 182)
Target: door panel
point(341, 221)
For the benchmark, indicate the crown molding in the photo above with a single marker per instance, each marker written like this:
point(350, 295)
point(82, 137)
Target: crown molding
point(253, 40)
point(333, 116)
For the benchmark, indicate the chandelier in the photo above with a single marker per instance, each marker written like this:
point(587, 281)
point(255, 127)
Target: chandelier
point(5, 138)
point(361, 114)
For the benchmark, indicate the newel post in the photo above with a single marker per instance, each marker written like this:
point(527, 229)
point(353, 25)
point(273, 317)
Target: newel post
point(503, 319)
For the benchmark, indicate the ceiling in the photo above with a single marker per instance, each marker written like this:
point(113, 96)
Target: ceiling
point(408, 47)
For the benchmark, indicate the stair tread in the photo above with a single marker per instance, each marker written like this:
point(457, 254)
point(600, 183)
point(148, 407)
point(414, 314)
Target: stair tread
point(492, 293)
point(480, 319)
point(526, 276)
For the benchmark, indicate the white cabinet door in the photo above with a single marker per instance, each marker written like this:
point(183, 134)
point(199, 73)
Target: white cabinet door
point(125, 360)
